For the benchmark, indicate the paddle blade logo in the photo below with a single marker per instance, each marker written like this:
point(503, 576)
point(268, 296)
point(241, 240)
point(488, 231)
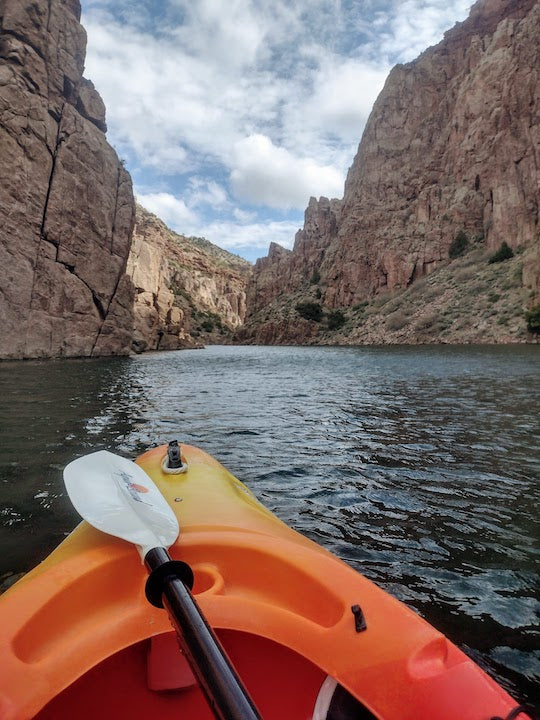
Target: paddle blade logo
point(138, 488)
point(134, 490)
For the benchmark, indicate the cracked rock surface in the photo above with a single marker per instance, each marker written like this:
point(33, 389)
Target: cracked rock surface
point(66, 202)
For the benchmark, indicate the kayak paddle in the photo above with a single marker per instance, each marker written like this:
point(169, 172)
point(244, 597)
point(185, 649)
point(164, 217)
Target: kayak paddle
point(116, 496)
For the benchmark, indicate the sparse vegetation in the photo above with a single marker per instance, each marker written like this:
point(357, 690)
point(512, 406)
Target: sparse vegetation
point(459, 245)
point(431, 292)
point(380, 300)
point(396, 320)
point(315, 278)
point(464, 274)
point(208, 321)
point(310, 311)
point(505, 252)
point(417, 286)
point(179, 292)
point(428, 322)
point(392, 305)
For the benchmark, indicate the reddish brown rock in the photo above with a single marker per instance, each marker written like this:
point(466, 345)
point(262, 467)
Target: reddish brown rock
point(283, 271)
point(66, 203)
point(183, 287)
point(452, 143)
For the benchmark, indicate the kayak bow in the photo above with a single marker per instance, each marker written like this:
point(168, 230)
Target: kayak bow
point(116, 496)
point(308, 635)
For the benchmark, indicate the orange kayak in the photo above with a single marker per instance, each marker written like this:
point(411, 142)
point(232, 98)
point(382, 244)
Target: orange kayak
point(311, 638)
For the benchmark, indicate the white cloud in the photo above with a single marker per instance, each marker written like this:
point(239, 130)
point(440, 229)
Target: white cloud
point(273, 96)
point(244, 216)
point(160, 101)
point(178, 101)
point(241, 233)
point(264, 174)
point(243, 67)
point(206, 192)
point(411, 26)
point(235, 237)
point(173, 211)
point(234, 28)
point(345, 91)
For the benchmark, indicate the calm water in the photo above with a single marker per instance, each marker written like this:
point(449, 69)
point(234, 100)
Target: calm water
point(419, 466)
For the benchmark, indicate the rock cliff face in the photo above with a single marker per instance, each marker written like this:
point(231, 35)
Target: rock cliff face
point(187, 290)
point(452, 144)
point(66, 202)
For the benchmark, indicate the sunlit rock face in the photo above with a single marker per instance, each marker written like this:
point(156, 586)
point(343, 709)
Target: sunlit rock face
point(452, 143)
point(66, 202)
point(187, 291)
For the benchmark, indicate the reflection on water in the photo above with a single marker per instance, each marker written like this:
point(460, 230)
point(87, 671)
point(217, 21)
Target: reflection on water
point(419, 466)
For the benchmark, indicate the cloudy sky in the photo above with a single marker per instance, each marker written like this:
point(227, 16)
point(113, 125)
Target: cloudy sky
point(230, 114)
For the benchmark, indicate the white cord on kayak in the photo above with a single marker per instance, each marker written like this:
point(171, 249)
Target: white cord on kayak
point(172, 471)
point(324, 698)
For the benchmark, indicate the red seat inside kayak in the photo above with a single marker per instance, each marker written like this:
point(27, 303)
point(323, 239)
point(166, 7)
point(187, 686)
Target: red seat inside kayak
point(167, 667)
point(282, 683)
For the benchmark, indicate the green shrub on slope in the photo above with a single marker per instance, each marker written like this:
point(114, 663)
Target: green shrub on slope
point(532, 317)
point(336, 319)
point(310, 311)
point(505, 252)
point(458, 245)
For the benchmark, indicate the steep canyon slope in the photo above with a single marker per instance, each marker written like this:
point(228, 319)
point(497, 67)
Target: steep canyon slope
point(66, 202)
point(188, 291)
point(452, 148)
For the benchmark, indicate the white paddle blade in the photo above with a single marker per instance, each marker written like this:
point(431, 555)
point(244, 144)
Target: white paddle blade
point(116, 496)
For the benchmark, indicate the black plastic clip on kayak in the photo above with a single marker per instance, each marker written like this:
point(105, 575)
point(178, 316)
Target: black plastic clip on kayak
point(223, 689)
point(359, 619)
point(174, 455)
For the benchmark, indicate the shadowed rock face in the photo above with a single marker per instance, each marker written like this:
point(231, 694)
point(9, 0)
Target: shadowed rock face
point(453, 143)
point(66, 202)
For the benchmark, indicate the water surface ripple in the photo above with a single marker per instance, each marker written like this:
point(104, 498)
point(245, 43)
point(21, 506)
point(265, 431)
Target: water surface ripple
point(418, 466)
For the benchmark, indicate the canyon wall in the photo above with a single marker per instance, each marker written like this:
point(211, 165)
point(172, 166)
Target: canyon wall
point(186, 290)
point(452, 144)
point(66, 202)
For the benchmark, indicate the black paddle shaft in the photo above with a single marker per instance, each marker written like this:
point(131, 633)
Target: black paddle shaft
point(223, 689)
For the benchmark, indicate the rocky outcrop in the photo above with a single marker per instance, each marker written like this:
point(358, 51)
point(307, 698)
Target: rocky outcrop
point(66, 202)
point(187, 290)
point(283, 271)
point(452, 144)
